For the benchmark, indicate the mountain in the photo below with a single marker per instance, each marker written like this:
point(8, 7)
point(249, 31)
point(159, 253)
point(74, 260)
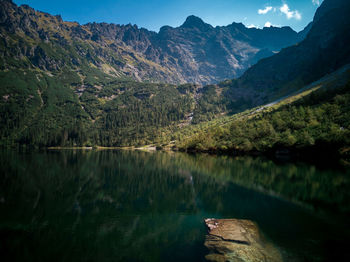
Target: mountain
point(195, 52)
point(325, 49)
point(302, 94)
point(63, 84)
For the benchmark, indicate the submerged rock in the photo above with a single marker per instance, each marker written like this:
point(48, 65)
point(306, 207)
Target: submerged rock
point(238, 241)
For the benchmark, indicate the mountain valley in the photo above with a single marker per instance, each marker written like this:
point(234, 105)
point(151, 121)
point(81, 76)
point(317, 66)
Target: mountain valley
point(65, 84)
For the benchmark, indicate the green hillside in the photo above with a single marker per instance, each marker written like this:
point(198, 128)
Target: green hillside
point(52, 110)
point(318, 116)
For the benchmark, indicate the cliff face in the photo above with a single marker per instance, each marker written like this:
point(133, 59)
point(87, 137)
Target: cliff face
point(194, 52)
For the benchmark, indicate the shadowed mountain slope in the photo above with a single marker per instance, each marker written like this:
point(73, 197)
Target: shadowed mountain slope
point(325, 49)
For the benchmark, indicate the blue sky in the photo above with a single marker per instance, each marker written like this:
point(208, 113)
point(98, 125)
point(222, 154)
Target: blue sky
point(152, 14)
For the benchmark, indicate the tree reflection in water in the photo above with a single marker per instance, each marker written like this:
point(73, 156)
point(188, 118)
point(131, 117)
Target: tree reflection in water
point(139, 206)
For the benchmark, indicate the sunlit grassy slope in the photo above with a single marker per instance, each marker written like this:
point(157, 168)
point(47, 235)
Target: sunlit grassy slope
point(317, 114)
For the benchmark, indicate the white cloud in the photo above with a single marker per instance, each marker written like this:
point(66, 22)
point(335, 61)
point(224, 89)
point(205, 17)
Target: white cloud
point(297, 15)
point(252, 26)
point(290, 14)
point(268, 24)
point(265, 11)
point(316, 2)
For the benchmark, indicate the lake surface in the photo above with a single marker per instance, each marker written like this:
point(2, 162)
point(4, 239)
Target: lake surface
point(139, 206)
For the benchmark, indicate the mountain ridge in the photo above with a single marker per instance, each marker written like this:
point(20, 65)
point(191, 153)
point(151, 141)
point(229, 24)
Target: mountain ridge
point(205, 55)
point(325, 49)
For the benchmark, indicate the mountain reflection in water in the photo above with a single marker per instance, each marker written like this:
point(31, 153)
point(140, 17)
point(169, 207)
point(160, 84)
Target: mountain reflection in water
point(139, 206)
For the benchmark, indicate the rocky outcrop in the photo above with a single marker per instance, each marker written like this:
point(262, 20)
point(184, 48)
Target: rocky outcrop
point(238, 241)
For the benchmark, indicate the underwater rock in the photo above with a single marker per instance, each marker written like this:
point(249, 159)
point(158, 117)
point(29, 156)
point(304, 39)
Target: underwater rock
point(238, 241)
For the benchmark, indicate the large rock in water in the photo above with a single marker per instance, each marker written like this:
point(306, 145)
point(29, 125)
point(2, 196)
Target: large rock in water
point(238, 241)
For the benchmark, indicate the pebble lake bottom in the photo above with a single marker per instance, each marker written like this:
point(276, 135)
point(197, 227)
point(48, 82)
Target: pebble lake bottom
point(73, 205)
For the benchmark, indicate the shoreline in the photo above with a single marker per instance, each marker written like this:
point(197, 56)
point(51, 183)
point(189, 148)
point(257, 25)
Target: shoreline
point(97, 148)
point(314, 154)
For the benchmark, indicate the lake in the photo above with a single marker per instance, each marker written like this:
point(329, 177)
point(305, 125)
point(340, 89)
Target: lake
point(142, 206)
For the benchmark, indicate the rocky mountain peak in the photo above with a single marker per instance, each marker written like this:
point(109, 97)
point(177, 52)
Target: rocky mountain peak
point(195, 22)
point(240, 26)
point(283, 28)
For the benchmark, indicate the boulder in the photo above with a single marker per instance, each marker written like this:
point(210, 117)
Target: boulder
point(238, 241)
